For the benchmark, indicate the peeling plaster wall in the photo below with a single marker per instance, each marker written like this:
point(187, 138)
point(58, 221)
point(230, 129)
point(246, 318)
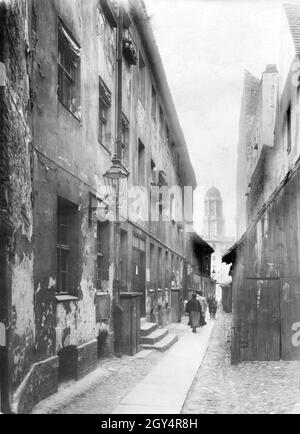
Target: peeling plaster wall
point(16, 193)
point(69, 162)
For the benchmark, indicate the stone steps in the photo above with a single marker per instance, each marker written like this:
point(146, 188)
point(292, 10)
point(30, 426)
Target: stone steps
point(154, 337)
point(147, 328)
point(164, 344)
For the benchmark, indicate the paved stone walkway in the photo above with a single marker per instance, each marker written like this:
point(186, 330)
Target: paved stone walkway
point(254, 387)
point(164, 389)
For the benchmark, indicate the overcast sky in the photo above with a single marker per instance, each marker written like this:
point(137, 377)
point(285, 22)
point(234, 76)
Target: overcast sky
point(205, 46)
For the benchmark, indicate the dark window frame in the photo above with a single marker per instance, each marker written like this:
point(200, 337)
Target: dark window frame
point(153, 104)
point(104, 114)
point(66, 247)
point(289, 128)
point(68, 71)
point(142, 80)
point(102, 253)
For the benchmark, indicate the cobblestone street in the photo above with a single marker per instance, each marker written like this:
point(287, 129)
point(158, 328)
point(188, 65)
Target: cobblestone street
point(253, 387)
point(100, 391)
point(219, 387)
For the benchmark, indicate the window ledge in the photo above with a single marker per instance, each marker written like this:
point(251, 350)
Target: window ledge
point(78, 119)
point(101, 293)
point(105, 147)
point(65, 297)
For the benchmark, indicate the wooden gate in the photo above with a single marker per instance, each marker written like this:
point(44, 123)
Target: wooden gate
point(261, 332)
point(139, 275)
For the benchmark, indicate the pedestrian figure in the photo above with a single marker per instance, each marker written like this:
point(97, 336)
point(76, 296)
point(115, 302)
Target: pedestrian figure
point(203, 303)
point(193, 308)
point(212, 306)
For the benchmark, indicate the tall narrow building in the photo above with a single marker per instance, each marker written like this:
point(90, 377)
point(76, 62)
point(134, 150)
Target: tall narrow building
point(247, 114)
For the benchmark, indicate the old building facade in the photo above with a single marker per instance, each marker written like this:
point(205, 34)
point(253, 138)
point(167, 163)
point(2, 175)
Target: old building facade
point(199, 267)
point(59, 104)
point(265, 260)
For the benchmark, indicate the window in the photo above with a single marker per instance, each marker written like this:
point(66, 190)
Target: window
point(160, 206)
point(125, 140)
point(104, 114)
point(68, 71)
point(161, 121)
point(166, 268)
point(153, 104)
point(288, 129)
point(66, 246)
point(141, 164)
point(124, 256)
point(142, 80)
point(172, 207)
point(139, 243)
point(159, 268)
point(102, 265)
point(152, 262)
point(167, 133)
point(153, 173)
point(172, 268)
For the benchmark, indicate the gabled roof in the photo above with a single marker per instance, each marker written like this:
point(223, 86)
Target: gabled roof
point(293, 17)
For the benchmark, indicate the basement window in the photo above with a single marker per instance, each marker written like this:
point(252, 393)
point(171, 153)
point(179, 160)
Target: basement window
point(67, 243)
point(68, 71)
point(104, 130)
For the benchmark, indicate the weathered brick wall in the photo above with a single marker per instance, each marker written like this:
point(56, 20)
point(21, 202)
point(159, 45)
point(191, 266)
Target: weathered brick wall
point(16, 193)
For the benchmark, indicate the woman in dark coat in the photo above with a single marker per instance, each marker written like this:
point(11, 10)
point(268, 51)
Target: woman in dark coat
point(193, 308)
point(212, 306)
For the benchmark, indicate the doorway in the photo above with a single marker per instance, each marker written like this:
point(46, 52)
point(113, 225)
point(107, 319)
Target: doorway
point(262, 316)
point(139, 271)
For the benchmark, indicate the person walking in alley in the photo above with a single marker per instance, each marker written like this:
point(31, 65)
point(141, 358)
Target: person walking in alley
point(203, 302)
point(212, 306)
point(193, 308)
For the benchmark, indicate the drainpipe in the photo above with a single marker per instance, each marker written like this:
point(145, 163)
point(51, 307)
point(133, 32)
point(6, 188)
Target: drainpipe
point(117, 310)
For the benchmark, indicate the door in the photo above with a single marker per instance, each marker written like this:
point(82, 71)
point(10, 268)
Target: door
point(261, 331)
point(139, 277)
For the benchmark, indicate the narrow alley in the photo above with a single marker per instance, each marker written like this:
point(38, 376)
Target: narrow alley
point(149, 207)
point(218, 387)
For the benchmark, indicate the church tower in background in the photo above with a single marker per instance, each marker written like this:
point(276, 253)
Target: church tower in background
point(214, 222)
point(214, 234)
